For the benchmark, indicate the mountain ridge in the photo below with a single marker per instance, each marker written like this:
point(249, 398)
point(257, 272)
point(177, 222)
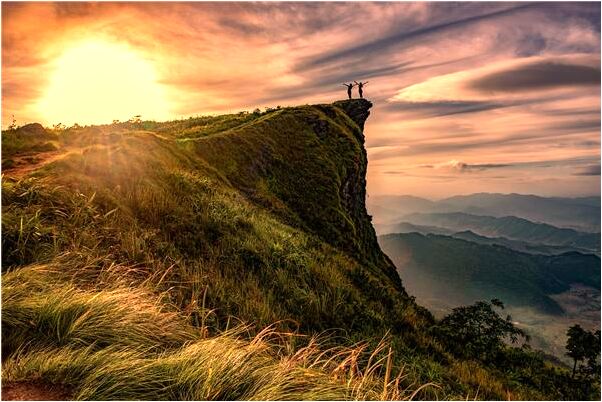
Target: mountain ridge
point(553, 274)
point(510, 227)
point(582, 213)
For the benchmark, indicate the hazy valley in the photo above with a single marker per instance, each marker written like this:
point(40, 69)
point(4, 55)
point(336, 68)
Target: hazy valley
point(462, 249)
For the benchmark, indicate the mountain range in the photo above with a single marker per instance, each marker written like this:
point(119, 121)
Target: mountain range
point(509, 227)
point(582, 213)
point(461, 271)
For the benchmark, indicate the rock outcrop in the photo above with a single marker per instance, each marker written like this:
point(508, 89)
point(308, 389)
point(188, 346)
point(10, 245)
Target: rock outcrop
point(357, 109)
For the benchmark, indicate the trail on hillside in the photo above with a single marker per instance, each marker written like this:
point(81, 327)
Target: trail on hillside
point(26, 163)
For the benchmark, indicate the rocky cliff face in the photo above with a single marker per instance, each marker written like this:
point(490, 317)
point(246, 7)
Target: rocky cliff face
point(353, 189)
point(357, 109)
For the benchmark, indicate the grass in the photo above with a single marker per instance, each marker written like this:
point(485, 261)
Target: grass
point(126, 344)
point(148, 262)
point(31, 138)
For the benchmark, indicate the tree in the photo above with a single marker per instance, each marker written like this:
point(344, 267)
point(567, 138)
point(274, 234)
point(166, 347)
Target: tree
point(136, 119)
point(478, 330)
point(583, 345)
point(13, 124)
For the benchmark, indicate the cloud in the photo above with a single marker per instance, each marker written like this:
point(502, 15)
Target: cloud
point(524, 80)
point(531, 45)
point(444, 108)
point(541, 74)
point(501, 82)
point(403, 37)
point(591, 170)
point(463, 167)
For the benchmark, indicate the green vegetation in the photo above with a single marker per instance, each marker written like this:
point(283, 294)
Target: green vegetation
point(29, 139)
point(583, 346)
point(478, 330)
point(125, 344)
point(226, 257)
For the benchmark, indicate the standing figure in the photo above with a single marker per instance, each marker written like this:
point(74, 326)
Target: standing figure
point(360, 87)
point(349, 86)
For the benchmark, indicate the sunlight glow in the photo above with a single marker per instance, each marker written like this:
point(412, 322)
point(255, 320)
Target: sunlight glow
point(97, 82)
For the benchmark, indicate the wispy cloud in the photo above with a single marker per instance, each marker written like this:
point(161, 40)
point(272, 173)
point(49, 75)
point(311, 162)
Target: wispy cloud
point(463, 167)
point(591, 170)
point(540, 74)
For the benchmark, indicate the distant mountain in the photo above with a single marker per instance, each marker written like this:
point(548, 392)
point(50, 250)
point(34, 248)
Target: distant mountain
point(579, 213)
point(390, 207)
point(516, 245)
point(582, 214)
point(406, 227)
point(591, 201)
point(446, 271)
point(510, 227)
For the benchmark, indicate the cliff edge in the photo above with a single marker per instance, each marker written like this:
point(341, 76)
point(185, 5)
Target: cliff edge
point(308, 164)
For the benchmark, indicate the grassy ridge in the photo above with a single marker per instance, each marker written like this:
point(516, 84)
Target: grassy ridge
point(132, 258)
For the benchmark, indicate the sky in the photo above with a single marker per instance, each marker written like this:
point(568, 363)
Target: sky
point(468, 97)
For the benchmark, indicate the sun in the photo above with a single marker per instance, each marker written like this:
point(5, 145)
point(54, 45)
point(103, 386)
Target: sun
point(96, 82)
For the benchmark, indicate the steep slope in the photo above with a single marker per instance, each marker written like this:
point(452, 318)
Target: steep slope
point(205, 222)
point(316, 151)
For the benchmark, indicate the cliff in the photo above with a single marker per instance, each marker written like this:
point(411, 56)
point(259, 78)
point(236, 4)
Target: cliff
point(308, 164)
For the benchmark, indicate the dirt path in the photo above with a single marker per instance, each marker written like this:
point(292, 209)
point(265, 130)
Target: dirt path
point(35, 391)
point(26, 163)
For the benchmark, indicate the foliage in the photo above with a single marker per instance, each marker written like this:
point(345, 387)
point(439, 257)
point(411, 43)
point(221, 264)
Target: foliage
point(13, 123)
point(121, 344)
point(584, 346)
point(27, 139)
point(478, 331)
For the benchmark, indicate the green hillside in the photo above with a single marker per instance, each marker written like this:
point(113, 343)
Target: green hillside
point(468, 271)
point(226, 257)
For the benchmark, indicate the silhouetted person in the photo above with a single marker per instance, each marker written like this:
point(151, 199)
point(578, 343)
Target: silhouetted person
point(360, 87)
point(349, 87)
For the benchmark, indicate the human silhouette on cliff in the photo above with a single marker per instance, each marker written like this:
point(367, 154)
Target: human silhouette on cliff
point(360, 87)
point(349, 87)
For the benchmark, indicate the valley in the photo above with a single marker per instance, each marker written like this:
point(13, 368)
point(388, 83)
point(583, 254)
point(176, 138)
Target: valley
point(548, 277)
